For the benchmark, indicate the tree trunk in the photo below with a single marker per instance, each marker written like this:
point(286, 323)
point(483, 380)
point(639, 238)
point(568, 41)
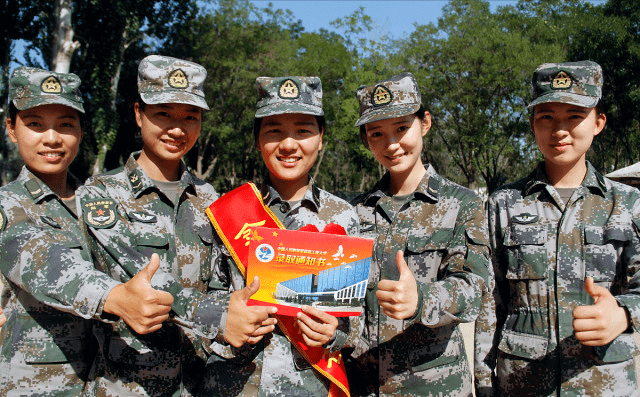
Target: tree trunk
point(63, 45)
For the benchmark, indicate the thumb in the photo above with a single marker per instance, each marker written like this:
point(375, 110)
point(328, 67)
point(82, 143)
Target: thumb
point(251, 289)
point(151, 268)
point(596, 292)
point(403, 268)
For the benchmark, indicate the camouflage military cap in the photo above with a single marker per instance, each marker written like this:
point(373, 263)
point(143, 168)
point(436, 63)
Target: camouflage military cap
point(395, 97)
point(575, 83)
point(31, 87)
point(163, 79)
point(290, 94)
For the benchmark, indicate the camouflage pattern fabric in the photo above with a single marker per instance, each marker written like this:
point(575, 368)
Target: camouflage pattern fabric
point(31, 87)
point(441, 230)
point(290, 94)
point(543, 250)
point(273, 367)
point(575, 83)
point(163, 79)
point(395, 97)
point(51, 291)
point(128, 219)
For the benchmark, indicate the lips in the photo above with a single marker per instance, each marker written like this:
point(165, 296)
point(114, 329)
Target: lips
point(289, 161)
point(172, 144)
point(52, 155)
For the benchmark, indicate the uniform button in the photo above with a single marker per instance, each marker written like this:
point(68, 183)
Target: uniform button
point(284, 207)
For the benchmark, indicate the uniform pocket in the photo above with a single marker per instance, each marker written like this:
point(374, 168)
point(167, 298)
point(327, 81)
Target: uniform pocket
point(526, 252)
point(436, 241)
point(621, 349)
point(600, 250)
point(525, 334)
point(47, 351)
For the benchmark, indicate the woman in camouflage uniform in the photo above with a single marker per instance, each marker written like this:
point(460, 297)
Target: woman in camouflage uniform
point(566, 254)
point(430, 262)
point(288, 131)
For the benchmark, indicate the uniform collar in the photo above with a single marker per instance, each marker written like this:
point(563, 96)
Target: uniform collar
point(428, 189)
point(139, 181)
point(39, 190)
point(538, 180)
point(270, 195)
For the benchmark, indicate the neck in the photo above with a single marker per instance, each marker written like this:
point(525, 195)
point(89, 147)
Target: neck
point(58, 184)
point(566, 176)
point(407, 182)
point(159, 170)
point(290, 190)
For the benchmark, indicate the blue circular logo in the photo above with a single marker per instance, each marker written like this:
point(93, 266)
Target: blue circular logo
point(265, 253)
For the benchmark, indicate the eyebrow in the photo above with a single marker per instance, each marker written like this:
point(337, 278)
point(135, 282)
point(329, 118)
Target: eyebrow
point(403, 121)
point(276, 123)
point(37, 116)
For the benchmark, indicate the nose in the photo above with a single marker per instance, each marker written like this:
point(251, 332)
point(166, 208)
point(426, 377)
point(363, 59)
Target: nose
point(52, 137)
point(288, 144)
point(176, 130)
point(393, 142)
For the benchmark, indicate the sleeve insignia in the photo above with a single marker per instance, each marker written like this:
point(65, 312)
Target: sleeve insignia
point(51, 85)
point(142, 216)
point(524, 219)
point(381, 96)
point(3, 219)
point(100, 213)
point(178, 79)
point(289, 90)
point(562, 81)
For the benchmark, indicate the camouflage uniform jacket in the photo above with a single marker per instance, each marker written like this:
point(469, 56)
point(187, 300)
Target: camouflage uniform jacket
point(543, 250)
point(441, 230)
point(273, 367)
point(169, 361)
point(51, 291)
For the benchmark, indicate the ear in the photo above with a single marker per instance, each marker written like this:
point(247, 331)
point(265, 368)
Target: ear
point(425, 123)
point(11, 131)
point(601, 121)
point(321, 139)
point(138, 112)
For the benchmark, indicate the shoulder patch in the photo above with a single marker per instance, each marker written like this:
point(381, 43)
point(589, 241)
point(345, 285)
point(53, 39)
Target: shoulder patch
point(142, 216)
point(100, 213)
point(3, 220)
point(380, 96)
point(524, 219)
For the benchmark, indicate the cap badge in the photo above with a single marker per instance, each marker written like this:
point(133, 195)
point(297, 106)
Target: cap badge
point(51, 85)
point(562, 81)
point(178, 79)
point(289, 90)
point(381, 96)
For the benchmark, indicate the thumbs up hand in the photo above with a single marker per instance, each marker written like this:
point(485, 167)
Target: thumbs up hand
point(141, 306)
point(399, 299)
point(602, 322)
point(247, 324)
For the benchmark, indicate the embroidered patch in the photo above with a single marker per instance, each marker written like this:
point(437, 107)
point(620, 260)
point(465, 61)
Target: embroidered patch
point(381, 96)
point(3, 219)
point(289, 90)
point(178, 79)
point(100, 213)
point(51, 85)
point(524, 219)
point(367, 226)
point(50, 221)
point(142, 216)
point(562, 81)
point(135, 180)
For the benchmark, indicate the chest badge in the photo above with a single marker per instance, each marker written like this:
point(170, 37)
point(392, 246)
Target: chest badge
point(142, 216)
point(50, 221)
point(524, 219)
point(100, 214)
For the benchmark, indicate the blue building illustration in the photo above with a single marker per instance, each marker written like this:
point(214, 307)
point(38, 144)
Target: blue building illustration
point(338, 286)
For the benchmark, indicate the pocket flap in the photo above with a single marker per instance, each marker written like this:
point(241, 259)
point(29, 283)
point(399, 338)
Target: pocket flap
point(438, 240)
point(525, 235)
point(523, 345)
point(46, 351)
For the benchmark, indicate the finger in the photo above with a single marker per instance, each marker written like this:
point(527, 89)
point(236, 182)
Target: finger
point(595, 291)
point(584, 312)
point(403, 268)
point(254, 339)
point(321, 315)
point(151, 268)
point(250, 289)
point(387, 285)
point(263, 330)
point(388, 297)
point(164, 298)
